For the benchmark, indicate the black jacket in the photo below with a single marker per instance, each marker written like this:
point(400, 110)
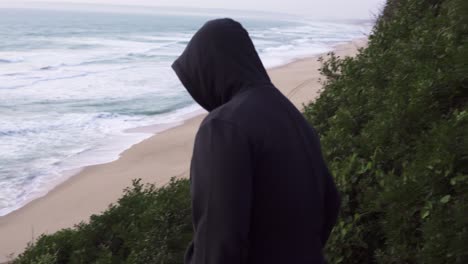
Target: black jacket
point(261, 192)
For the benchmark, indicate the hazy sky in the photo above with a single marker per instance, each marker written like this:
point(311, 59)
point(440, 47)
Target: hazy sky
point(316, 8)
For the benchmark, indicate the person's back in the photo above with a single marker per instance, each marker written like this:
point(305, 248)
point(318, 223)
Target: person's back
point(261, 191)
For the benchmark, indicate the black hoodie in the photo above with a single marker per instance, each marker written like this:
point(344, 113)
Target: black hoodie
point(261, 192)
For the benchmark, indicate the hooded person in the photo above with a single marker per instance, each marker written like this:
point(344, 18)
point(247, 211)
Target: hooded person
point(260, 189)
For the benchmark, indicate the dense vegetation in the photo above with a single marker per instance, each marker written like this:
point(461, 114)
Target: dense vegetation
point(147, 225)
point(394, 127)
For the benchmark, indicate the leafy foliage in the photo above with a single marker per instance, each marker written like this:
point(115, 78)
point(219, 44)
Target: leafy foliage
point(147, 225)
point(394, 126)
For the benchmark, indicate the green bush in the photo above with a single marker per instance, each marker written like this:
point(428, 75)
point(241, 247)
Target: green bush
point(147, 225)
point(394, 127)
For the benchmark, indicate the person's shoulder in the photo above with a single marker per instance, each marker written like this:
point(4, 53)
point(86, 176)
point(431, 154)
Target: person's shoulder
point(249, 111)
point(217, 124)
point(251, 103)
point(217, 116)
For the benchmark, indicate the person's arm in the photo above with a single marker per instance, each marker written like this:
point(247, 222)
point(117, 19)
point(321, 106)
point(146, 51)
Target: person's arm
point(331, 196)
point(221, 188)
point(332, 206)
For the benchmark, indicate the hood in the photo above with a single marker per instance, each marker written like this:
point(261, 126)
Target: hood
point(219, 62)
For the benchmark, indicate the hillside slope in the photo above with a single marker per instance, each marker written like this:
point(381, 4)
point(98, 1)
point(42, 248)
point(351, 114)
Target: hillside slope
point(394, 126)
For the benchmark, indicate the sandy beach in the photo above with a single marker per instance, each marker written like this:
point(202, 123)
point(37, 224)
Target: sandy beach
point(166, 154)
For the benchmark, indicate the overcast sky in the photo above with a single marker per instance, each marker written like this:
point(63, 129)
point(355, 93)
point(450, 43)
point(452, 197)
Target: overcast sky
point(317, 8)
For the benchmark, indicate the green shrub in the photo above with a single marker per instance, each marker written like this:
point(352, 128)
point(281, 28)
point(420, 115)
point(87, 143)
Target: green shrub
point(147, 225)
point(394, 128)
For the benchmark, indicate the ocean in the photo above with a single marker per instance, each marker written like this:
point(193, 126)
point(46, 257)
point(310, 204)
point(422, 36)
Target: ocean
point(73, 82)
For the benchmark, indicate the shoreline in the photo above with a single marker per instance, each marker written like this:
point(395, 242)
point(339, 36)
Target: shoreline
point(148, 131)
point(164, 154)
